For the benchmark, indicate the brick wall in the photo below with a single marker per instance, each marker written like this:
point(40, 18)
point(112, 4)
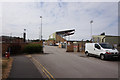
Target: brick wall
point(5, 46)
point(50, 42)
point(76, 47)
point(41, 43)
point(59, 39)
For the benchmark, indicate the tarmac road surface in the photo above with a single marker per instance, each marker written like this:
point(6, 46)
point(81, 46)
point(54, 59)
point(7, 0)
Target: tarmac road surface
point(61, 64)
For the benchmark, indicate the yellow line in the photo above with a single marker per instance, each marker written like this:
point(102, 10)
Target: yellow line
point(49, 73)
point(46, 74)
point(44, 69)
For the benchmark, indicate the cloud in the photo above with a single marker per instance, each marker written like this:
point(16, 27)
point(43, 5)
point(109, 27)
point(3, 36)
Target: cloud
point(59, 0)
point(59, 16)
point(0, 18)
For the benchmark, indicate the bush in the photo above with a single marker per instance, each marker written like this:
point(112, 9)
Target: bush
point(33, 48)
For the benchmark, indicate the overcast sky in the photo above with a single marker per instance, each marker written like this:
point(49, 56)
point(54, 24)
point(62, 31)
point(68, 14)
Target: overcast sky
point(59, 15)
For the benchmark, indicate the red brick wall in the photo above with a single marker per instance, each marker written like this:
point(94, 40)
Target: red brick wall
point(41, 43)
point(5, 46)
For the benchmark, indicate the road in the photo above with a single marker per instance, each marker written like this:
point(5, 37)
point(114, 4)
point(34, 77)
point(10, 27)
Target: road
point(61, 64)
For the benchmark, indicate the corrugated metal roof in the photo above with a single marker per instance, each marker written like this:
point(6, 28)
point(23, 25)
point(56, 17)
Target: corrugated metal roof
point(66, 32)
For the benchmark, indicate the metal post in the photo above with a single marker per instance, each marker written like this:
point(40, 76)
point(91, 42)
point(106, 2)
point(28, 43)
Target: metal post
point(39, 33)
point(10, 37)
point(69, 37)
point(41, 27)
point(91, 28)
point(24, 35)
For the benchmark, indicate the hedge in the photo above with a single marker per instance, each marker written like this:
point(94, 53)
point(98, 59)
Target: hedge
point(33, 48)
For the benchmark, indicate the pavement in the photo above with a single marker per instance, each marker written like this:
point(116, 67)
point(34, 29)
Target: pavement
point(62, 64)
point(23, 68)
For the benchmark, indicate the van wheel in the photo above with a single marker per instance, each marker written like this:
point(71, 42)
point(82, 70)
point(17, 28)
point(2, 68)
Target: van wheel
point(87, 54)
point(102, 57)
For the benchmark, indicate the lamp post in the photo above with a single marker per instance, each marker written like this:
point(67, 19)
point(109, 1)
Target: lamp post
point(91, 28)
point(10, 37)
point(24, 35)
point(41, 27)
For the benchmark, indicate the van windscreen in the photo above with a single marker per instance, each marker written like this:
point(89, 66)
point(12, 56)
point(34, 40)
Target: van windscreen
point(106, 46)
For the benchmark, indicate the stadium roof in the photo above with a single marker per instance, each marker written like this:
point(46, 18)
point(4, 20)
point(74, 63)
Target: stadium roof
point(66, 32)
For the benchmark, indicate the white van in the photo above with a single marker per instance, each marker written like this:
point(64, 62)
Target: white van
point(103, 50)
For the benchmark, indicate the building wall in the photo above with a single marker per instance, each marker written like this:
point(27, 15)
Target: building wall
point(107, 39)
point(99, 39)
point(50, 42)
point(112, 40)
point(52, 36)
point(59, 39)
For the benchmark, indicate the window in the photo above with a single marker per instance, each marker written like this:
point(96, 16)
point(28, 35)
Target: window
point(97, 46)
point(106, 46)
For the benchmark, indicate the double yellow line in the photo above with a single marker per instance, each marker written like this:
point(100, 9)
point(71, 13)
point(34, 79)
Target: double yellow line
point(44, 70)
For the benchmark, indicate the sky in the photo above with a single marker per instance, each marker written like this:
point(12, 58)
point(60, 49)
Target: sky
point(57, 16)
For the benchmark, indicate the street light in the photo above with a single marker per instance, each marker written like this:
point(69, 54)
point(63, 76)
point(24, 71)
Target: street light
point(24, 35)
point(91, 28)
point(41, 27)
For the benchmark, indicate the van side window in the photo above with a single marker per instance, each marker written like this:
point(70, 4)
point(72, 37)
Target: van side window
point(97, 46)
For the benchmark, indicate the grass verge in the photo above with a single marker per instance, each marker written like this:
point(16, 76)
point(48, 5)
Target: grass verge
point(6, 67)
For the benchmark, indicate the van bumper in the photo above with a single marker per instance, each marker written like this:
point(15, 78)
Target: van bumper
point(108, 56)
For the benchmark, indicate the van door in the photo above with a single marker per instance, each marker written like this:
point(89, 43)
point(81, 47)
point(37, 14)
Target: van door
point(97, 49)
